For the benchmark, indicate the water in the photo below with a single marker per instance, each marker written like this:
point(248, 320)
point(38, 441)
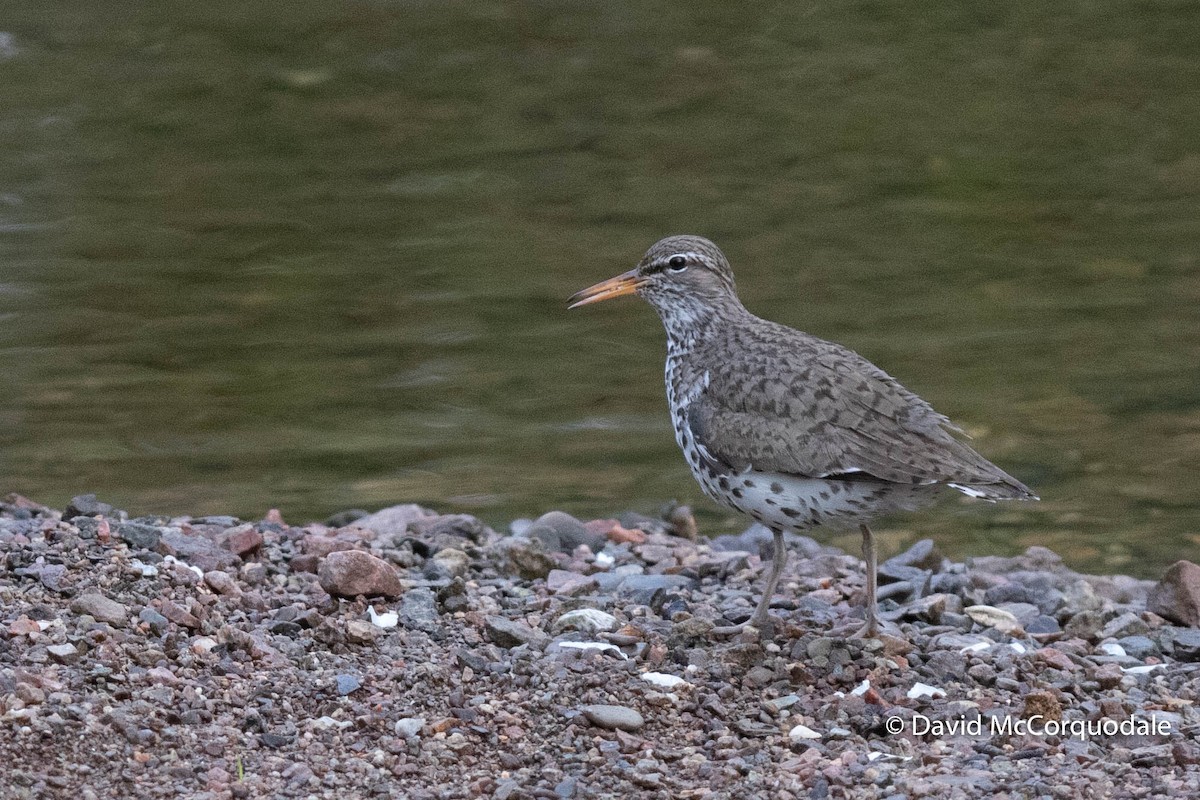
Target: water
point(318, 260)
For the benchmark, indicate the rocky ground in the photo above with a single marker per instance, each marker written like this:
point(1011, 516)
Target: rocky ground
point(412, 654)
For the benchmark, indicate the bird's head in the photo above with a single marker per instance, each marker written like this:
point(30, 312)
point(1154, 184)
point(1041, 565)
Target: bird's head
point(678, 274)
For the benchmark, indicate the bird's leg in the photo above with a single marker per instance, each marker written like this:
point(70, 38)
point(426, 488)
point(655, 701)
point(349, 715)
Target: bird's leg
point(761, 619)
point(871, 629)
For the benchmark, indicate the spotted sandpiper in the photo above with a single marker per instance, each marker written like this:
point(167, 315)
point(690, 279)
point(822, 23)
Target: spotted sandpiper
point(792, 430)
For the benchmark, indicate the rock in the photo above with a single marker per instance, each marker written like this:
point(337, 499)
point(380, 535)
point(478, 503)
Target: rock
point(242, 540)
point(1139, 647)
point(197, 550)
point(992, 617)
point(557, 531)
point(321, 545)
point(100, 607)
point(418, 610)
point(586, 619)
point(561, 581)
point(63, 653)
point(222, 583)
point(360, 631)
point(924, 555)
point(349, 573)
point(1177, 596)
point(451, 530)
point(610, 717)
point(156, 621)
point(1085, 625)
point(347, 684)
point(451, 562)
point(509, 633)
point(634, 585)
point(179, 615)
point(138, 535)
point(409, 726)
point(86, 505)
point(1127, 624)
point(393, 520)
point(525, 557)
point(1186, 644)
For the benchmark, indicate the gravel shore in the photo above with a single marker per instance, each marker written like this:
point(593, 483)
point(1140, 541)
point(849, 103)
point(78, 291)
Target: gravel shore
point(408, 653)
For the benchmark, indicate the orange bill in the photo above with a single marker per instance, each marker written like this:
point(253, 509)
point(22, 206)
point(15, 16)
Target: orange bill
point(623, 284)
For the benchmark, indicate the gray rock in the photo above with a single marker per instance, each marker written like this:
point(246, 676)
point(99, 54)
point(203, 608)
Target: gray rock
point(63, 653)
point(156, 621)
point(523, 556)
point(558, 531)
point(509, 633)
point(1042, 624)
point(1127, 624)
point(101, 608)
point(1007, 593)
point(196, 550)
point(614, 717)
point(347, 684)
point(1139, 647)
point(451, 530)
point(138, 535)
point(86, 505)
point(651, 590)
point(1085, 624)
point(418, 610)
point(409, 726)
point(924, 555)
point(394, 520)
point(1186, 644)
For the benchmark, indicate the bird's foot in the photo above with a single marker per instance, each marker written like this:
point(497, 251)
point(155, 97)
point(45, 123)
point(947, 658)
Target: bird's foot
point(765, 628)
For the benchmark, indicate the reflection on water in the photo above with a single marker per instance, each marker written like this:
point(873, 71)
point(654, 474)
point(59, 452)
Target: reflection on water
point(319, 261)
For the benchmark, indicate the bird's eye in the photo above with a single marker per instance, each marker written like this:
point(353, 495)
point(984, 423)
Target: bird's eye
point(677, 264)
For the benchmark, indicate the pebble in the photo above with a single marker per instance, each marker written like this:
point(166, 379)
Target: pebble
point(510, 633)
point(347, 684)
point(465, 688)
point(992, 617)
point(63, 653)
point(349, 573)
point(409, 726)
point(590, 620)
point(101, 608)
point(418, 610)
point(614, 717)
point(1177, 596)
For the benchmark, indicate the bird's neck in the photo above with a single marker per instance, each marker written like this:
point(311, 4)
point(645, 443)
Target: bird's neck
point(690, 322)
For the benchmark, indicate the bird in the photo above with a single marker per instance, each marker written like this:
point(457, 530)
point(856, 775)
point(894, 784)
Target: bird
point(789, 429)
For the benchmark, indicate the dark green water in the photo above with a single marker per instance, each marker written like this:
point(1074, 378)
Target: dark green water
point(318, 259)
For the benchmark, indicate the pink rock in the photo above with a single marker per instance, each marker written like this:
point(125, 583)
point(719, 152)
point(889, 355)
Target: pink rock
point(242, 540)
point(321, 546)
point(179, 615)
point(561, 581)
point(1177, 596)
point(349, 573)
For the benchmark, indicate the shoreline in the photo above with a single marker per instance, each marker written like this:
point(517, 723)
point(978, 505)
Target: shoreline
point(214, 658)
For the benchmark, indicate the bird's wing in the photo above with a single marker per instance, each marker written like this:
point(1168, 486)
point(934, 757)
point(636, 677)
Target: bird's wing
point(822, 410)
